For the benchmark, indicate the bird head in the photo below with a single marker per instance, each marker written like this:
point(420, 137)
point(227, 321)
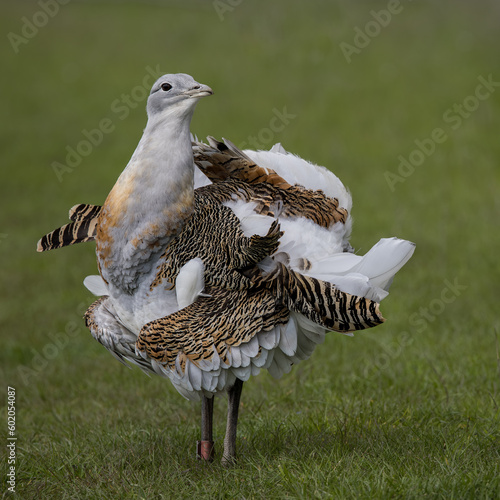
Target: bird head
point(176, 94)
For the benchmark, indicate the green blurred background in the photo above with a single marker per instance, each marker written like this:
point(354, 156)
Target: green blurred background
point(414, 72)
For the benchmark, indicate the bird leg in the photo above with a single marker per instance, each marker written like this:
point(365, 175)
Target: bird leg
point(205, 447)
point(234, 394)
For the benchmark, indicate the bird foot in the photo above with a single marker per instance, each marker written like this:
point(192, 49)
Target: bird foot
point(228, 460)
point(205, 450)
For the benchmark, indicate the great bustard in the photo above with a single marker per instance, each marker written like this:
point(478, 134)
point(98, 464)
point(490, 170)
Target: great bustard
point(209, 274)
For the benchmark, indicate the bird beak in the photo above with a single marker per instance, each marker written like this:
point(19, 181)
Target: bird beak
point(199, 91)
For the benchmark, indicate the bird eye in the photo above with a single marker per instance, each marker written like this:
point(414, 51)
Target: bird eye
point(166, 86)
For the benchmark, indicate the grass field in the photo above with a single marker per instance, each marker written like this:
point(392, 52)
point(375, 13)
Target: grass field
point(407, 410)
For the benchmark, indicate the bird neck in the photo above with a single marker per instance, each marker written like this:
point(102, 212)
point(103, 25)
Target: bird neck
point(149, 203)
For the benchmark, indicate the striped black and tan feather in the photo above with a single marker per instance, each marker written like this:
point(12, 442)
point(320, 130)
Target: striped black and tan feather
point(82, 229)
point(322, 302)
point(84, 211)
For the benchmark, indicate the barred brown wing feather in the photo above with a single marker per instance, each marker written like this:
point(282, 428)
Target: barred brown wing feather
point(213, 233)
point(219, 163)
point(82, 229)
point(238, 177)
point(322, 302)
point(210, 326)
point(84, 212)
